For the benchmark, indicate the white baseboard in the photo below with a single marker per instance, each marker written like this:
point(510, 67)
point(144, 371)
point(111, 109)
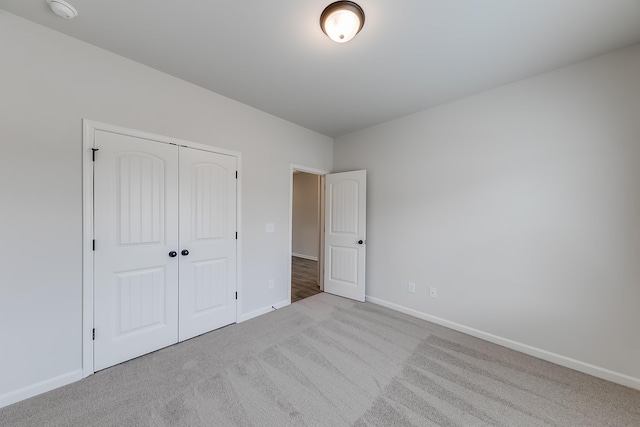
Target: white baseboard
point(261, 311)
point(558, 359)
point(312, 258)
point(39, 388)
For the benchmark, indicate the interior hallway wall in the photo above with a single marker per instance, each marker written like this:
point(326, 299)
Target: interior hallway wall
point(521, 205)
point(305, 216)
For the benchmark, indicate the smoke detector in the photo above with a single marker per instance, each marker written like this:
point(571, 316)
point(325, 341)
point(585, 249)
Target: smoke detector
point(62, 8)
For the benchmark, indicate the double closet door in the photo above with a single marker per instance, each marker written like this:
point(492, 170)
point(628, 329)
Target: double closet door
point(165, 245)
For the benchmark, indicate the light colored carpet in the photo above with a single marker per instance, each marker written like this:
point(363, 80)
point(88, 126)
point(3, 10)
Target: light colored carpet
point(327, 361)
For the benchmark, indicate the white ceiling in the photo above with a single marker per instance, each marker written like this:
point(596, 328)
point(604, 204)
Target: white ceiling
point(410, 55)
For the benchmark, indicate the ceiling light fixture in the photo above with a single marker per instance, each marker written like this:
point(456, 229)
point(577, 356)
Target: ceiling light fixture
point(342, 20)
point(62, 8)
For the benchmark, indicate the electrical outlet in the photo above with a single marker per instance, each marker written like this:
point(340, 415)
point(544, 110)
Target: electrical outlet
point(272, 284)
point(270, 227)
point(411, 287)
point(433, 292)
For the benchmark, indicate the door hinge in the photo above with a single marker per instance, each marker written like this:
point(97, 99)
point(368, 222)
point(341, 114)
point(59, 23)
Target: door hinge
point(236, 235)
point(93, 154)
point(94, 244)
point(93, 337)
point(236, 295)
point(236, 174)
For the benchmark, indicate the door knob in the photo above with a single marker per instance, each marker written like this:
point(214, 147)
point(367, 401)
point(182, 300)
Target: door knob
point(173, 254)
point(185, 252)
point(360, 242)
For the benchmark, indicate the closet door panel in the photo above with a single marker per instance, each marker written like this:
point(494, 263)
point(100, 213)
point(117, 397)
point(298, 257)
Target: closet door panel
point(136, 226)
point(207, 241)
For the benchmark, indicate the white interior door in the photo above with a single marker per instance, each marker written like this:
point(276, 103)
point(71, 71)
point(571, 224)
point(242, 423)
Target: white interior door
point(207, 241)
point(165, 245)
point(136, 227)
point(345, 234)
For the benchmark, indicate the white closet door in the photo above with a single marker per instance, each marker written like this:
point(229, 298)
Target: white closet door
point(207, 241)
point(345, 234)
point(136, 227)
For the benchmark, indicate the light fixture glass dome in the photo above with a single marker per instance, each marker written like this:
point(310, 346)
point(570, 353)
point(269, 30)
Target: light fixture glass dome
point(342, 20)
point(63, 9)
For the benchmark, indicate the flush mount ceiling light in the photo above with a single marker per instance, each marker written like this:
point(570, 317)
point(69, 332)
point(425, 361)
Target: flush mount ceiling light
point(62, 8)
point(342, 20)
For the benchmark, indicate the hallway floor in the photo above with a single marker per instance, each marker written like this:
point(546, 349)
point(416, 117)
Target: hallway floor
point(304, 278)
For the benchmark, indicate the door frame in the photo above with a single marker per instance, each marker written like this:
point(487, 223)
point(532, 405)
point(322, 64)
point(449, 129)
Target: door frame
point(321, 173)
point(89, 129)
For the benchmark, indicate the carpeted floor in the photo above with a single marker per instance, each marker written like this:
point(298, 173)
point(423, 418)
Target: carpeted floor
point(328, 361)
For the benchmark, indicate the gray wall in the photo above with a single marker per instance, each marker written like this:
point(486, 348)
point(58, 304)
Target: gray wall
point(522, 206)
point(49, 83)
point(305, 217)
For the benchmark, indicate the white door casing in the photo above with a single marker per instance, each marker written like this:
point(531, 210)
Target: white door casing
point(345, 234)
point(208, 233)
point(136, 216)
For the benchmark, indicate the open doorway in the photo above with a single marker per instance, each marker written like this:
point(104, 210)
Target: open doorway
point(342, 231)
point(307, 217)
point(305, 236)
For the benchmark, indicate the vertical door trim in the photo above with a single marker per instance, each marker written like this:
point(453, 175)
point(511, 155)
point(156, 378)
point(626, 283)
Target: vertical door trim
point(321, 216)
point(88, 141)
point(87, 248)
point(293, 168)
